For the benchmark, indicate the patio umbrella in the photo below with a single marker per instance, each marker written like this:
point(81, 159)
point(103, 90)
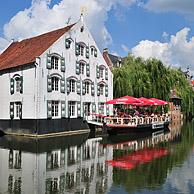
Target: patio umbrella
point(159, 102)
point(146, 102)
point(124, 100)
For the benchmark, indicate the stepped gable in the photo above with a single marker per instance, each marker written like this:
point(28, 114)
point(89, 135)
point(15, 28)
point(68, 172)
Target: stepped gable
point(26, 51)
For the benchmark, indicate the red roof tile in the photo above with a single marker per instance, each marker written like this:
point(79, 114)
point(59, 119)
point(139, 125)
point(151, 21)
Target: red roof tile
point(26, 51)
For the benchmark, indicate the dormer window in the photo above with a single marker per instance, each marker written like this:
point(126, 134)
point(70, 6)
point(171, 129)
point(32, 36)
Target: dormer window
point(54, 62)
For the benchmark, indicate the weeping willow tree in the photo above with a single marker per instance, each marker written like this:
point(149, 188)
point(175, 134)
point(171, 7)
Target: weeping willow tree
point(151, 78)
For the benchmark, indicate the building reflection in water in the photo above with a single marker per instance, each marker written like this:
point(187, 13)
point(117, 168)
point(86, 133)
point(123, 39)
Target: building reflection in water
point(64, 164)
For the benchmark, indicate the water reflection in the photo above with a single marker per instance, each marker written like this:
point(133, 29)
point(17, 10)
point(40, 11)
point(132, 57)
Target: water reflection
point(78, 165)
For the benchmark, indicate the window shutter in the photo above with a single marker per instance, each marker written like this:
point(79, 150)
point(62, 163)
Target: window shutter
point(93, 107)
point(83, 88)
point(95, 52)
point(98, 90)
point(77, 68)
point(106, 74)
point(67, 43)
point(62, 64)
point(11, 85)
point(63, 109)
point(107, 109)
point(68, 86)
point(78, 87)
point(11, 110)
point(77, 51)
point(49, 109)
point(21, 84)
point(20, 113)
point(48, 61)
point(97, 71)
point(79, 109)
point(92, 89)
point(49, 83)
point(106, 90)
point(62, 85)
point(87, 52)
point(88, 69)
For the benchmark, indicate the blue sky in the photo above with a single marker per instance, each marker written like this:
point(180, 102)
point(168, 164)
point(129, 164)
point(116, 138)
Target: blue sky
point(146, 28)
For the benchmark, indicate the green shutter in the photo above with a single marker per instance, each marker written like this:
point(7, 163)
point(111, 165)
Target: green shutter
point(92, 89)
point(79, 109)
point(77, 50)
point(62, 64)
point(106, 90)
point(88, 69)
point(95, 52)
point(63, 109)
point(62, 85)
point(48, 60)
point(93, 107)
point(83, 88)
point(20, 113)
point(107, 109)
point(106, 74)
point(21, 84)
point(77, 68)
point(87, 52)
point(98, 90)
point(49, 83)
point(11, 85)
point(11, 106)
point(97, 71)
point(49, 109)
point(67, 43)
point(68, 86)
point(78, 87)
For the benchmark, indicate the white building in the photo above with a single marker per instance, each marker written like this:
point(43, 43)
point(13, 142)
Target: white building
point(50, 83)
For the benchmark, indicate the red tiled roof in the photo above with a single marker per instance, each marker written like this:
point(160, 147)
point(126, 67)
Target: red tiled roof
point(26, 51)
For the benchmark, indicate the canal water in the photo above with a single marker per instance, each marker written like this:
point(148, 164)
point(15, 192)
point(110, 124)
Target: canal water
point(160, 162)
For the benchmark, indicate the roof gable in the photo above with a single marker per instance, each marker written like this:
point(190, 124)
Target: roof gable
point(26, 51)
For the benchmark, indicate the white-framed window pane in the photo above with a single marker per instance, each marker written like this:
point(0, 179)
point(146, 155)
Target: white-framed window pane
point(82, 68)
point(54, 62)
point(101, 89)
point(87, 86)
point(72, 108)
point(55, 83)
point(55, 108)
point(101, 72)
point(81, 47)
point(17, 106)
point(72, 85)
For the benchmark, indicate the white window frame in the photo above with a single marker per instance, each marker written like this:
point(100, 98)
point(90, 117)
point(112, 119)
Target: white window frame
point(81, 49)
point(101, 72)
point(102, 106)
point(55, 109)
point(87, 86)
point(102, 89)
point(82, 68)
point(55, 83)
point(17, 110)
point(72, 108)
point(72, 85)
point(54, 62)
point(17, 84)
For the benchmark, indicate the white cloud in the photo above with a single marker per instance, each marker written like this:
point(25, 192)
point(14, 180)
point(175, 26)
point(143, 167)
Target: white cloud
point(178, 51)
point(125, 48)
point(40, 17)
point(185, 7)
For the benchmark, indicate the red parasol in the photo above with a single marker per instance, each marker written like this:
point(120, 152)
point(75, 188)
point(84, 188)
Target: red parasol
point(124, 100)
point(159, 102)
point(146, 102)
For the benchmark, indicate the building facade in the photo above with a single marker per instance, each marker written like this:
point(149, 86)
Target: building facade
point(53, 82)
